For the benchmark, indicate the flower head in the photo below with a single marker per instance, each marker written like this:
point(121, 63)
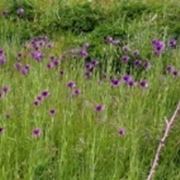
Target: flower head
point(125, 59)
point(158, 46)
point(99, 107)
point(122, 131)
point(71, 84)
point(36, 132)
point(52, 112)
point(115, 82)
point(172, 43)
point(2, 130)
point(144, 84)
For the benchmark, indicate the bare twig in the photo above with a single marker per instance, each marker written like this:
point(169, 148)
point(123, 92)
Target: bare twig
point(162, 142)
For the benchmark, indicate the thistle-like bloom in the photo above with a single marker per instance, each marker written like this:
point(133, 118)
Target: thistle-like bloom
point(146, 65)
point(52, 112)
point(115, 82)
point(76, 92)
point(2, 57)
point(71, 84)
point(108, 40)
point(136, 53)
point(37, 55)
point(122, 131)
point(126, 48)
point(129, 80)
point(45, 94)
point(36, 132)
point(137, 63)
point(158, 46)
point(5, 89)
point(170, 69)
point(172, 43)
point(99, 107)
point(25, 69)
point(84, 53)
point(144, 84)
point(125, 59)
point(2, 130)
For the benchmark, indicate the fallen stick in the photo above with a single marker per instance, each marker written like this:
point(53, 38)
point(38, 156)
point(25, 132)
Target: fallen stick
point(162, 142)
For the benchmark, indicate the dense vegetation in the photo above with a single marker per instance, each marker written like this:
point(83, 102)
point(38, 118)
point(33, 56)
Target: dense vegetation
point(85, 88)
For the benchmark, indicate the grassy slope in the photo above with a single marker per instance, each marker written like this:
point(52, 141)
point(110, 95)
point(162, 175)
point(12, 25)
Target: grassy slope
point(79, 143)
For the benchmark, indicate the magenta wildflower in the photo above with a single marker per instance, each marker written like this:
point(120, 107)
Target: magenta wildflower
point(109, 40)
point(144, 84)
point(52, 112)
point(146, 65)
point(37, 55)
point(18, 66)
point(5, 89)
point(172, 43)
point(170, 69)
point(71, 84)
point(2, 130)
point(83, 53)
point(126, 48)
point(136, 53)
point(45, 93)
point(122, 131)
point(158, 46)
point(137, 63)
point(25, 69)
point(2, 57)
point(99, 107)
point(36, 132)
point(76, 92)
point(115, 82)
point(125, 59)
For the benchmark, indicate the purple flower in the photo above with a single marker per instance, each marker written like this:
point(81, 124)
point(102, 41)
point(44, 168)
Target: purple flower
point(127, 78)
point(122, 131)
point(25, 69)
point(5, 89)
point(137, 63)
point(109, 40)
point(99, 107)
point(143, 84)
point(115, 82)
point(2, 130)
point(146, 65)
point(170, 69)
point(76, 92)
point(36, 103)
point(172, 43)
point(125, 59)
point(126, 48)
point(158, 46)
point(71, 84)
point(52, 112)
point(37, 55)
point(136, 53)
point(18, 66)
point(116, 42)
point(45, 94)
point(83, 53)
point(2, 57)
point(175, 73)
point(36, 132)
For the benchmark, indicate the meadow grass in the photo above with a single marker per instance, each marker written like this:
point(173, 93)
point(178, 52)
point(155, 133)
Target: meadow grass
point(79, 142)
